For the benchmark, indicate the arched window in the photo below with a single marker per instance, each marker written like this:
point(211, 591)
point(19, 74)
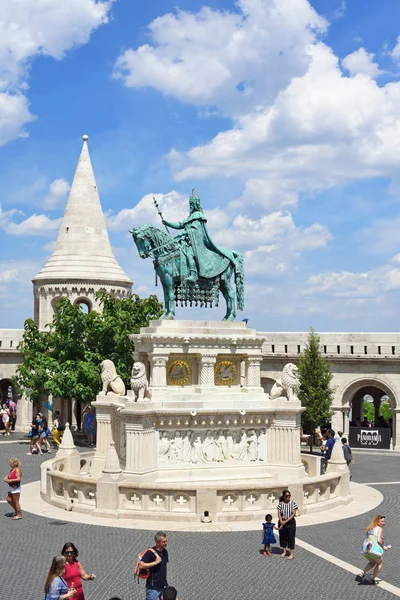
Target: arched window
point(84, 304)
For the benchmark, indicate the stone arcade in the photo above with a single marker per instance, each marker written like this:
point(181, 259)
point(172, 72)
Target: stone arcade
point(205, 437)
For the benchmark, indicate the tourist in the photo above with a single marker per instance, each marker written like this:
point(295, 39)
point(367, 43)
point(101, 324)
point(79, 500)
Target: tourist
point(287, 523)
point(373, 549)
point(56, 431)
point(329, 443)
point(268, 534)
point(156, 559)
point(44, 433)
point(13, 414)
point(13, 479)
point(169, 593)
point(347, 453)
point(74, 571)
point(89, 421)
point(56, 588)
point(5, 417)
point(33, 435)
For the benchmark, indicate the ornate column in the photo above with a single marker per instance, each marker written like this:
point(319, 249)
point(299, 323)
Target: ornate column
point(158, 372)
point(206, 370)
point(396, 429)
point(104, 438)
point(253, 375)
point(141, 448)
point(283, 443)
point(346, 421)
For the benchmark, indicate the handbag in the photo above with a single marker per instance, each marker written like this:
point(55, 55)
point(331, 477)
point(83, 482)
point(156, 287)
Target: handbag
point(371, 546)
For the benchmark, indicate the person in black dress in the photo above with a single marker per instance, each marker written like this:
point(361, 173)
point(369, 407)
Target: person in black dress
point(287, 509)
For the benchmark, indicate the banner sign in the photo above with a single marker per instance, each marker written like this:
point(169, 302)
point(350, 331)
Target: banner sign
point(369, 437)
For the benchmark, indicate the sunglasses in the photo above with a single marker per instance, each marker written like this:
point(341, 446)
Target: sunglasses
point(288, 495)
point(69, 552)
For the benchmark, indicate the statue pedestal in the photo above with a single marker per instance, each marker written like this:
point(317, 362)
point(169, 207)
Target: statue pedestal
point(208, 441)
point(208, 424)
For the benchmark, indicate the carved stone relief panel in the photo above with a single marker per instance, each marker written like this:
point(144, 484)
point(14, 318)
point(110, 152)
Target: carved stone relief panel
point(212, 446)
point(179, 372)
point(225, 373)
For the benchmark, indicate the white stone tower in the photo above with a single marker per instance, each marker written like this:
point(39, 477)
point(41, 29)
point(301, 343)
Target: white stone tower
point(82, 262)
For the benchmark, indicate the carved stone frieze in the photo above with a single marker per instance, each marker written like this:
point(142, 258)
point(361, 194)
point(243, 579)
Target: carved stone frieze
point(212, 446)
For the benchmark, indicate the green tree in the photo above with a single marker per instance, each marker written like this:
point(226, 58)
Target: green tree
point(315, 391)
point(64, 360)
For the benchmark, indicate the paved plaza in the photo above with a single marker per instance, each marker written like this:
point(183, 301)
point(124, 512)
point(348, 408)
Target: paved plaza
point(220, 565)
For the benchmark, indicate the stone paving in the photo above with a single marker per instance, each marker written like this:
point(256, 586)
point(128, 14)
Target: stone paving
point(227, 566)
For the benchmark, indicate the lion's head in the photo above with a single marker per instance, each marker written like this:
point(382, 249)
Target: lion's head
point(290, 378)
point(138, 370)
point(108, 372)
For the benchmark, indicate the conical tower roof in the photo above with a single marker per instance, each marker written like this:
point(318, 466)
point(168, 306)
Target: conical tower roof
point(83, 251)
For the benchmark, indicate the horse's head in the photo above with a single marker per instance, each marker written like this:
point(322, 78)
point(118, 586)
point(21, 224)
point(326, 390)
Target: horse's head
point(142, 241)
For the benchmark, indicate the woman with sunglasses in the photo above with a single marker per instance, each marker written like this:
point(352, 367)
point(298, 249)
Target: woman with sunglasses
point(287, 523)
point(74, 571)
point(373, 549)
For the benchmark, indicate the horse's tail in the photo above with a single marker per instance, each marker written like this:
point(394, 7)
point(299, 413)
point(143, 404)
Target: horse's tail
point(239, 280)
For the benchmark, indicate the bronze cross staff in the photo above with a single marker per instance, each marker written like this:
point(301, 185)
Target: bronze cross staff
point(159, 212)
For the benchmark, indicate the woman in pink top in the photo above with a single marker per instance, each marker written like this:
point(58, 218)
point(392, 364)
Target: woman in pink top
point(13, 479)
point(74, 571)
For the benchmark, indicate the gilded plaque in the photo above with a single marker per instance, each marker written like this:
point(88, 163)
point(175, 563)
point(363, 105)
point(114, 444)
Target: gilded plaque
point(179, 373)
point(225, 373)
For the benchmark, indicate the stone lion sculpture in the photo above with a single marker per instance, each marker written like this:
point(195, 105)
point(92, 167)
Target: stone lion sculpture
point(139, 383)
point(288, 385)
point(112, 382)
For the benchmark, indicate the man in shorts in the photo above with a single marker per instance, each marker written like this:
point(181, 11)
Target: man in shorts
point(156, 559)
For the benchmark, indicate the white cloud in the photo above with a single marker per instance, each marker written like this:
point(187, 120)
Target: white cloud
point(233, 60)
point(395, 53)
point(57, 194)
point(8, 275)
point(29, 28)
point(173, 205)
point(323, 130)
point(34, 225)
point(361, 62)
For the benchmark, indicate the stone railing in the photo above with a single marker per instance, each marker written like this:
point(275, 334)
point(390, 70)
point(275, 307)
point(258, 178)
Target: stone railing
point(184, 501)
point(67, 490)
point(312, 464)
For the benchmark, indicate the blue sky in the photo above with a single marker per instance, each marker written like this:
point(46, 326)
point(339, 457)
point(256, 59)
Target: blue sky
point(283, 114)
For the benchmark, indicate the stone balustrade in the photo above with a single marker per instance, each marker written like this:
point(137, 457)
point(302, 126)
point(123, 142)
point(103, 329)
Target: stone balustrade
point(226, 501)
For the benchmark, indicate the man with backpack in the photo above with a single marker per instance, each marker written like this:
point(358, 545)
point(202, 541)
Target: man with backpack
point(153, 565)
point(348, 456)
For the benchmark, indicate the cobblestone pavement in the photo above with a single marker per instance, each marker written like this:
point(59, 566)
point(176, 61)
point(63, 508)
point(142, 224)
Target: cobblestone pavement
point(223, 566)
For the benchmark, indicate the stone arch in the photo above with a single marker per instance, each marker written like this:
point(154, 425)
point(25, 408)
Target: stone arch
point(84, 303)
point(364, 385)
point(54, 303)
point(369, 382)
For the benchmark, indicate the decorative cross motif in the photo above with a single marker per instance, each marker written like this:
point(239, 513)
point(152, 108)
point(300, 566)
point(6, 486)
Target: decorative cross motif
point(229, 500)
point(251, 499)
point(181, 500)
point(158, 500)
point(272, 498)
point(135, 498)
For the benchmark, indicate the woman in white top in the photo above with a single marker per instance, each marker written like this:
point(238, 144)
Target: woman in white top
point(287, 523)
point(373, 548)
point(5, 414)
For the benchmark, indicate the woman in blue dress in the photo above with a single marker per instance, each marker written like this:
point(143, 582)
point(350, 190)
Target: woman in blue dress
point(268, 535)
point(56, 587)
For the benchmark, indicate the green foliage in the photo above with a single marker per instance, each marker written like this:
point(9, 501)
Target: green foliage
point(369, 411)
point(315, 390)
point(65, 359)
point(386, 411)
